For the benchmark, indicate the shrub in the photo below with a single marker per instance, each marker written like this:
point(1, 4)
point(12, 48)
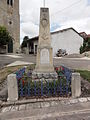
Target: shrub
point(4, 36)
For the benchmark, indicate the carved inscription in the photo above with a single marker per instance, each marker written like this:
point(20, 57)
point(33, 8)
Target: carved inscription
point(44, 56)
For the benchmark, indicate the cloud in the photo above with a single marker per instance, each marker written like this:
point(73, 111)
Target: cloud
point(79, 25)
point(29, 29)
point(63, 14)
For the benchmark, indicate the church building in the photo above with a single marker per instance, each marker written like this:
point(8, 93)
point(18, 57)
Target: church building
point(10, 18)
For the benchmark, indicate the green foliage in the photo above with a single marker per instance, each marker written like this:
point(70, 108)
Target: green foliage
point(85, 74)
point(81, 50)
point(4, 36)
point(85, 46)
point(24, 43)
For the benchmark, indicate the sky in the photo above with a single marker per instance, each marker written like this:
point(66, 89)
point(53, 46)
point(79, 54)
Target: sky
point(63, 14)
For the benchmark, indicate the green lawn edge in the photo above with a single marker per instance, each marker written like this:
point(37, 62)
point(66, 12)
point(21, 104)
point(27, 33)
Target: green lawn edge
point(84, 74)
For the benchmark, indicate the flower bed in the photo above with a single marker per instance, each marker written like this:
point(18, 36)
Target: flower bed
point(45, 88)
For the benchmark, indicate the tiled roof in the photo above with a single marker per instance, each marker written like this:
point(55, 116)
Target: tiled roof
point(88, 35)
point(83, 33)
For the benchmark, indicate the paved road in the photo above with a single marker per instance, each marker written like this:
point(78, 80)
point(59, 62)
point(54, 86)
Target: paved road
point(73, 63)
point(76, 111)
point(82, 116)
point(68, 62)
point(5, 59)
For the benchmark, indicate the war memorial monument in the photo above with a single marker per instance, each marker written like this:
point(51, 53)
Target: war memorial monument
point(44, 63)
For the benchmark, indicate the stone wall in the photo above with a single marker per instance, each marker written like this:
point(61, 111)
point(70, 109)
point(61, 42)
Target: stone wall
point(9, 17)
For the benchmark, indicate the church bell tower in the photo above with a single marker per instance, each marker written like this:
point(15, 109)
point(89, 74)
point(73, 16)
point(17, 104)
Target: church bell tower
point(10, 18)
point(13, 24)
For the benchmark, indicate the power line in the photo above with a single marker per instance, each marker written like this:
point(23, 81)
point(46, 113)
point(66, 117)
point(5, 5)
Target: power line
point(66, 7)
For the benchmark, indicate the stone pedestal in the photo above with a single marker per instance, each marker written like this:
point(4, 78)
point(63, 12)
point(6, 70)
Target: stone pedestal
point(44, 63)
point(76, 85)
point(12, 87)
point(36, 76)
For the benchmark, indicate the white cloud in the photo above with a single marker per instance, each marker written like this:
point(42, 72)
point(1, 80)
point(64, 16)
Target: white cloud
point(79, 25)
point(77, 15)
point(29, 29)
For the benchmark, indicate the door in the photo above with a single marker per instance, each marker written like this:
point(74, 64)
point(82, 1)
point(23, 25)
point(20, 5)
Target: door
point(10, 46)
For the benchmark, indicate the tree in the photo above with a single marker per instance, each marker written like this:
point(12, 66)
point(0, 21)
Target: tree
point(4, 36)
point(24, 43)
point(86, 46)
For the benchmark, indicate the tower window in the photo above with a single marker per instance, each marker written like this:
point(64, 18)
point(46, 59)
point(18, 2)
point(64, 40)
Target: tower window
point(11, 2)
point(8, 2)
point(10, 22)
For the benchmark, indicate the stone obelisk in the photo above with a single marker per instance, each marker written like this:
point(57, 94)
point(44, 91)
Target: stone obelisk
point(44, 63)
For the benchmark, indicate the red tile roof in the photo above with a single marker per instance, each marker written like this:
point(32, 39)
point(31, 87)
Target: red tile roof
point(88, 35)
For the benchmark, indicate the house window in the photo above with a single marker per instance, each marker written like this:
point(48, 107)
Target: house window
point(35, 49)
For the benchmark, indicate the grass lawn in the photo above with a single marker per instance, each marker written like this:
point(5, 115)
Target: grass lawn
point(85, 74)
point(6, 71)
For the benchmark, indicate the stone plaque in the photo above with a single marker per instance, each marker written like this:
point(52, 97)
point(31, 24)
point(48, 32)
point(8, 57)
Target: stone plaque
point(44, 56)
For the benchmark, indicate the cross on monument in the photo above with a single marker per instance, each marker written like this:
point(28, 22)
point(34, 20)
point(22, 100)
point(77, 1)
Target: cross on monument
point(44, 3)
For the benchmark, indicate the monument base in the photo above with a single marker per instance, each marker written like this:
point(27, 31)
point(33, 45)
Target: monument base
point(39, 76)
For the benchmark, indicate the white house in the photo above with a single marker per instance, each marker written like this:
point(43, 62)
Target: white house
point(68, 39)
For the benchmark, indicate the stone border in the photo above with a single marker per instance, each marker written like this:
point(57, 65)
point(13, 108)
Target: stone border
point(39, 104)
point(62, 100)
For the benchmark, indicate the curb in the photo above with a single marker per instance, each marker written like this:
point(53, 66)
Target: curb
point(62, 100)
point(40, 104)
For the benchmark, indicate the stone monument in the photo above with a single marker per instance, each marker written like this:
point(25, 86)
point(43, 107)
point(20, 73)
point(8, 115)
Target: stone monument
point(44, 64)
